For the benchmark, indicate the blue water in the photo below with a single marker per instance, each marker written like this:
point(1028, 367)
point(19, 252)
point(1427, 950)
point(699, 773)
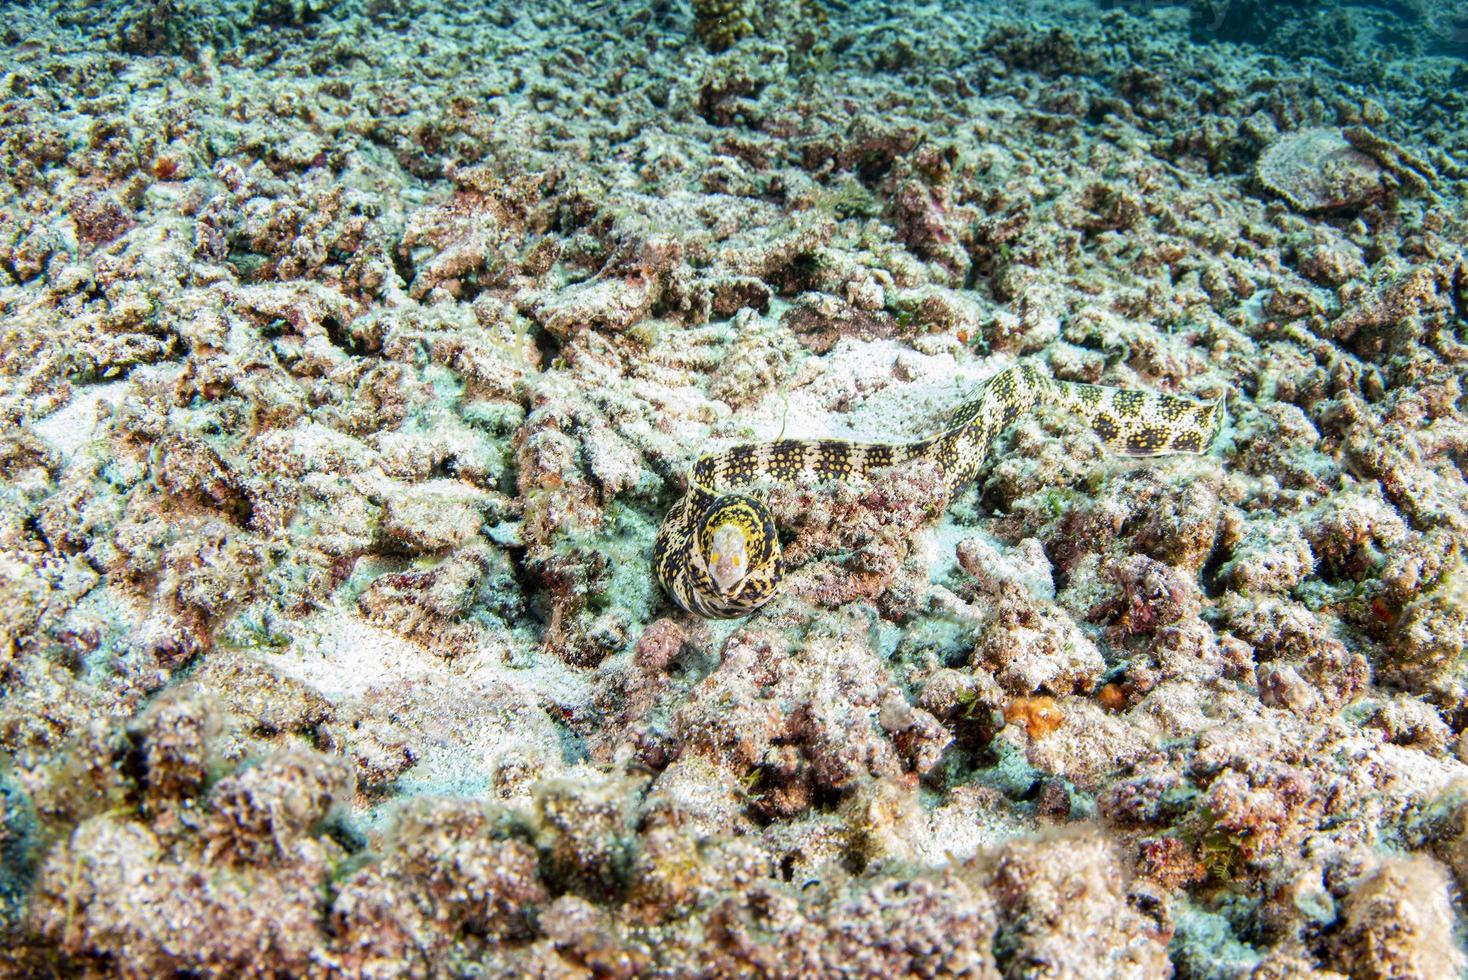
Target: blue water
point(1331, 31)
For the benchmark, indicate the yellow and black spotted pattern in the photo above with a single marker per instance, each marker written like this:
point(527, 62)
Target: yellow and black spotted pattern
point(718, 554)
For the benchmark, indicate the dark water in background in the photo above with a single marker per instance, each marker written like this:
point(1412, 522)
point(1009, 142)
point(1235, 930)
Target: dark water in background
point(1350, 34)
point(1337, 32)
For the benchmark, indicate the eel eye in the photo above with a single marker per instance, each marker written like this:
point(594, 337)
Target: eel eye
point(728, 557)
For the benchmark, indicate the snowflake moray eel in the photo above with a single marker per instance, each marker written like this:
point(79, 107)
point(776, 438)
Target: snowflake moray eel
point(718, 553)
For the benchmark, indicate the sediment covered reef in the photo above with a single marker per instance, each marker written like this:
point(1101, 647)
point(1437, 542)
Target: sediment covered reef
point(352, 352)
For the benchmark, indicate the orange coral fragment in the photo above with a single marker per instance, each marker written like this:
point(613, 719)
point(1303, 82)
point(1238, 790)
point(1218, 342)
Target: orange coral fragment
point(1039, 715)
point(1112, 697)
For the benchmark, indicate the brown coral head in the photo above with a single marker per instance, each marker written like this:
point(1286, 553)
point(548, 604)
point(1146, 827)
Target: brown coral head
point(1316, 171)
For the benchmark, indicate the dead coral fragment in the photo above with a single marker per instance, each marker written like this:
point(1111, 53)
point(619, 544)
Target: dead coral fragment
point(586, 828)
point(1399, 923)
point(1428, 640)
point(450, 854)
point(1152, 596)
point(175, 732)
point(1062, 905)
point(1316, 170)
point(924, 926)
point(1271, 556)
point(1414, 174)
point(446, 607)
point(260, 812)
point(1034, 645)
point(113, 900)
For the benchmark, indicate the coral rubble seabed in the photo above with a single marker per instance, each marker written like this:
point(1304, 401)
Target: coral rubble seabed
point(351, 353)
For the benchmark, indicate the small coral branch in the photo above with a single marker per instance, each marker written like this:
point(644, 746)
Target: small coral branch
point(720, 24)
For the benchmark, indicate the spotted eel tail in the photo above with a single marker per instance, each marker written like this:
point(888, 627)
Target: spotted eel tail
point(1135, 423)
point(1143, 423)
